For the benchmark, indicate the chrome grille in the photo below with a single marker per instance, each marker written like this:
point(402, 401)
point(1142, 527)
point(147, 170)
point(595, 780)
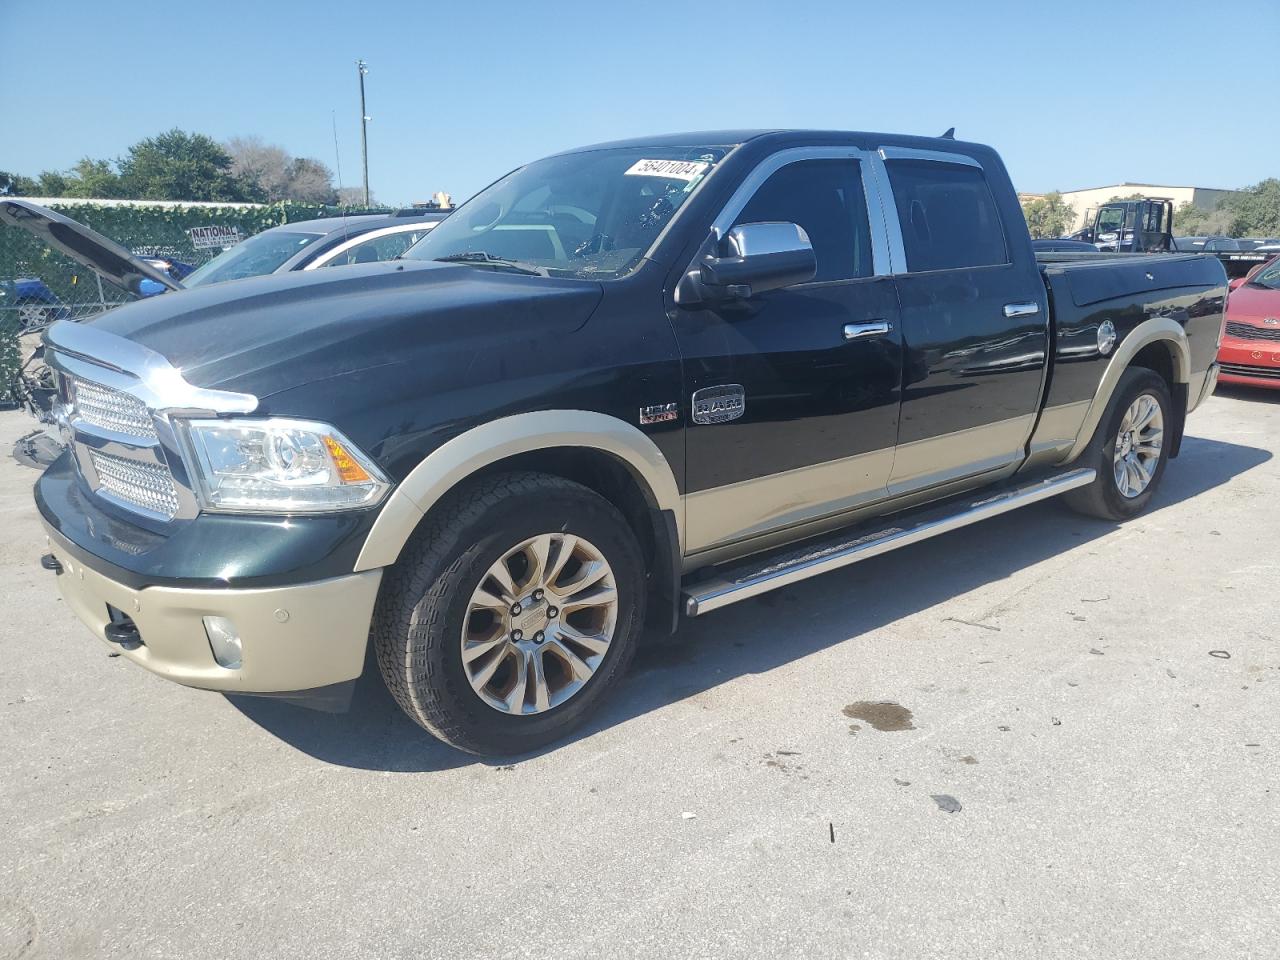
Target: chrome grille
point(1247, 331)
point(111, 409)
point(145, 485)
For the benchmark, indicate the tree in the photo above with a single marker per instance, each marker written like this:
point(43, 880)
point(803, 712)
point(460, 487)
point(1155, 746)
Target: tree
point(1251, 212)
point(311, 181)
point(263, 164)
point(278, 175)
point(1049, 216)
point(1255, 211)
point(92, 178)
point(16, 185)
point(183, 166)
point(354, 197)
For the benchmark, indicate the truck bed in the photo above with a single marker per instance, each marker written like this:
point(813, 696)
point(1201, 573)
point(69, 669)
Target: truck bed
point(1125, 289)
point(1236, 262)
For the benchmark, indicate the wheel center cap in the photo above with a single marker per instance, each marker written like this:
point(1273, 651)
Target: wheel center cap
point(532, 618)
point(1126, 444)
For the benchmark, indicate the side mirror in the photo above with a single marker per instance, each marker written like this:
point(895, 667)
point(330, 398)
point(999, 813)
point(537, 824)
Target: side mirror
point(756, 257)
point(1236, 283)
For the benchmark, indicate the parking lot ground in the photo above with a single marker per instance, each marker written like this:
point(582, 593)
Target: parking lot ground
point(1085, 763)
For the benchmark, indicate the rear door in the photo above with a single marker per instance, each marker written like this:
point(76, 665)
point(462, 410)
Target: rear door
point(816, 366)
point(975, 322)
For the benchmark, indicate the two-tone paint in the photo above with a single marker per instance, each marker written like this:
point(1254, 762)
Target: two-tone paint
point(441, 372)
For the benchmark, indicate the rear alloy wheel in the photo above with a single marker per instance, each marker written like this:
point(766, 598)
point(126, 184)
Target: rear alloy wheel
point(1129, 450)
point(1138, 446)
point(512, 613)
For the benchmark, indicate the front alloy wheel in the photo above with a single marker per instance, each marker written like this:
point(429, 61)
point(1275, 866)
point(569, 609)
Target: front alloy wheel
point(539, 624)
point(512, 613)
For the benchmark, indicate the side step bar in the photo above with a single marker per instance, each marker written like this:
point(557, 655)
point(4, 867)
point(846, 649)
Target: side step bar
point(759, 575)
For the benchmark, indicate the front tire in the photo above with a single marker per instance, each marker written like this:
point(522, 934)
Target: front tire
point(512, 613)
point(1129, 450)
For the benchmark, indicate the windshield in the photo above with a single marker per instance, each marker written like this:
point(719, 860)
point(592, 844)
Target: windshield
point(1110, 219)
point(588, 215)
point(259, 255)
point(1268, 276)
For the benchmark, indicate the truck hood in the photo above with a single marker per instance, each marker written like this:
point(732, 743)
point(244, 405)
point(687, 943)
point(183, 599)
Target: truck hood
point(87, 247)
point(264, 335)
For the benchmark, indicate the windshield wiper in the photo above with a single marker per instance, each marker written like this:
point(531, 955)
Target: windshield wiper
point(498, 263)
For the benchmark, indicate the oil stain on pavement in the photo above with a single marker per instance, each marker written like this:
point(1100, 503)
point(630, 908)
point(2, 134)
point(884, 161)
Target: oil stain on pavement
point(882, 715)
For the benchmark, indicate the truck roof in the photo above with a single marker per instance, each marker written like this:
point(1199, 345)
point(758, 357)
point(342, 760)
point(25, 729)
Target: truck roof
point(864, 139)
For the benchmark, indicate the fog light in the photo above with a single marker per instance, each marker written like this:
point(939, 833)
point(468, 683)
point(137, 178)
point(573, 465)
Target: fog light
point(224, 641)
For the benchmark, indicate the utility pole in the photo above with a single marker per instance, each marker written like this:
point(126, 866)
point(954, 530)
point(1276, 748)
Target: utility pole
point(364, 133)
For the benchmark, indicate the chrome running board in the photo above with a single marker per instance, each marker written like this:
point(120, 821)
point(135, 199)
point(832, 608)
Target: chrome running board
point(761, 574)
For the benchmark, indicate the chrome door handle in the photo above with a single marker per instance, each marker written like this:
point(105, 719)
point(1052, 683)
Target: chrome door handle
point(1028, 309)
point(872, 328)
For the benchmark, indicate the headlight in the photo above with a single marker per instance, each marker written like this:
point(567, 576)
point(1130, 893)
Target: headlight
point(279, 466)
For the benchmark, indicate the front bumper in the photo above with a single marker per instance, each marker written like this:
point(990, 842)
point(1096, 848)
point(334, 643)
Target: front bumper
point(295, 637)
point(1255, 363)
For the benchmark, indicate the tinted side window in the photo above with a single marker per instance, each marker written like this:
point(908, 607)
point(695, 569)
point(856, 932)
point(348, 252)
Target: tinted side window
point(379, 248)
point(947, 214)
point(825, 198)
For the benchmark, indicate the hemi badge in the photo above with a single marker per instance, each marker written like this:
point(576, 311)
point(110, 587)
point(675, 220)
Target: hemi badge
point(659, 413)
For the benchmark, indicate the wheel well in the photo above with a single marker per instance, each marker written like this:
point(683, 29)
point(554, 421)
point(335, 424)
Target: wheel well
point(1158, 357)
point(595, 470)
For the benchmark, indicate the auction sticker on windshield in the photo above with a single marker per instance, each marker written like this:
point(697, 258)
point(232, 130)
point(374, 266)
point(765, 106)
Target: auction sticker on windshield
point(670, 169)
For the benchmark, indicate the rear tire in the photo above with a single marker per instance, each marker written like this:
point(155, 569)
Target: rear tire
point(1129, 449)
point(468, 635)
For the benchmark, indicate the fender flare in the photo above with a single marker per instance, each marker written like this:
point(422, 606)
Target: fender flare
point(455, 461)
point(1155, 330)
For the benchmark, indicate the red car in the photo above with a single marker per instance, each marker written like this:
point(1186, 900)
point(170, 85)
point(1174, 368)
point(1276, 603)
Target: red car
point(1250, 352)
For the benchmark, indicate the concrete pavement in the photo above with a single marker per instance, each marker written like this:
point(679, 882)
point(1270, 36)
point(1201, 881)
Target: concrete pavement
point(1073, 769)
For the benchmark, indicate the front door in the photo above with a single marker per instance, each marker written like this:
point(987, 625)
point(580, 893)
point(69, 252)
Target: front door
point(817, 366)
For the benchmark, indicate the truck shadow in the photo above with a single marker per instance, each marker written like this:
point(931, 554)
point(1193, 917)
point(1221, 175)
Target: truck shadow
point(749, 638)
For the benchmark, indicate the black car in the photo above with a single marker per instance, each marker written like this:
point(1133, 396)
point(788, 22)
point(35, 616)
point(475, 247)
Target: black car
point(622, 385)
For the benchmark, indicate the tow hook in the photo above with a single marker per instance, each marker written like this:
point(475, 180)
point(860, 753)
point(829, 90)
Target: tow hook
point(125, 633)
point(50, 562)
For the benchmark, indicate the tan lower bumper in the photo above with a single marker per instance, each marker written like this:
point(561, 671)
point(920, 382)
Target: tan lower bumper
point(294, 638)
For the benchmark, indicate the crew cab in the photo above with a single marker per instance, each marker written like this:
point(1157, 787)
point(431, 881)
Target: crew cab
point(623, 385)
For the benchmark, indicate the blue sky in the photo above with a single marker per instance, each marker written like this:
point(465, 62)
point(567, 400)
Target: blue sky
point(1073, 93)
